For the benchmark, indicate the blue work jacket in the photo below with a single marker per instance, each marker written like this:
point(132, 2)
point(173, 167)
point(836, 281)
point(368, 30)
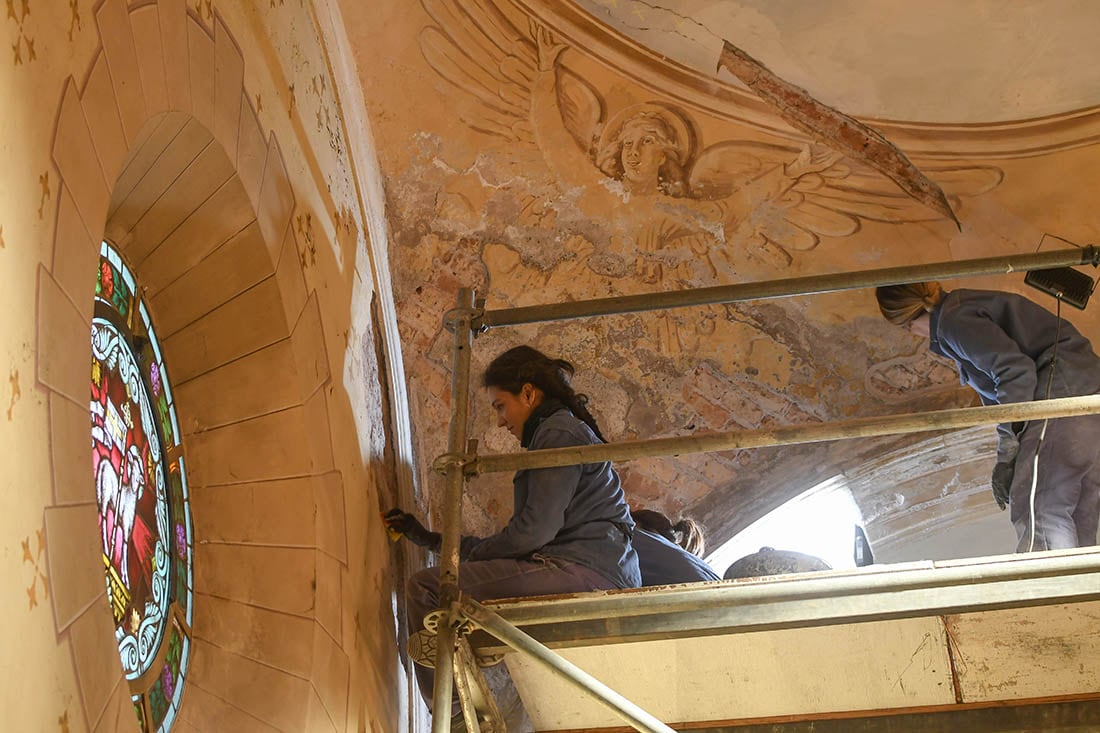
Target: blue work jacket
point(664, 562)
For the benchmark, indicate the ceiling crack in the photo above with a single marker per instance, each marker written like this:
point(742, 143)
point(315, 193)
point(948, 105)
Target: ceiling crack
point(674, 30)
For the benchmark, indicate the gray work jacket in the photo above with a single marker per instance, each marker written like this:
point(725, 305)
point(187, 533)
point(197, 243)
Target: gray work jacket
point(575, 513)
point(1003, 344)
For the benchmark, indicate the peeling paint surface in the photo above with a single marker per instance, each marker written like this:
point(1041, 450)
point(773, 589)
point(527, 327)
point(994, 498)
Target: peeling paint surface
point(530, 190)
point(1026, 653)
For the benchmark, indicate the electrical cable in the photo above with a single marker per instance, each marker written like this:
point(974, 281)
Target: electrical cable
point(1043, 432)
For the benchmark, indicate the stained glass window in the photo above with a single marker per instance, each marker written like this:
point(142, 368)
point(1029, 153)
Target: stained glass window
point(141, 491)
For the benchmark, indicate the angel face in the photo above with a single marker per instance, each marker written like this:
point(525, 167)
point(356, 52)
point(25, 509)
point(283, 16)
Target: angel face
point(642, 153)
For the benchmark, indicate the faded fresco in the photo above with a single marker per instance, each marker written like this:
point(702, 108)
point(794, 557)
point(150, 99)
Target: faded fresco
point(550, 176)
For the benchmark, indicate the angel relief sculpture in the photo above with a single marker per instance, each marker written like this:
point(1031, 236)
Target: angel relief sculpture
point(683, 214)
point(648, 150)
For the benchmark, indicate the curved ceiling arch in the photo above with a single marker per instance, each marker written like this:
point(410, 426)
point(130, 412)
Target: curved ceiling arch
point(937, 62)
point(675, 54)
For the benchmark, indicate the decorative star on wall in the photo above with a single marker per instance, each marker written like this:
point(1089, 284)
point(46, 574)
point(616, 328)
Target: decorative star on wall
point(63, 722)
point(36, 561)
point(305, 229)
point(22, 38)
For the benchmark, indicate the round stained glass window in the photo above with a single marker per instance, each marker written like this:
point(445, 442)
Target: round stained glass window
point(141, 492)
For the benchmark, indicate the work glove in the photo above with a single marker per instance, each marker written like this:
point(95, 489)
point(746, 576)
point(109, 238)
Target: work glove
point(415, 532)
point(1002, 482)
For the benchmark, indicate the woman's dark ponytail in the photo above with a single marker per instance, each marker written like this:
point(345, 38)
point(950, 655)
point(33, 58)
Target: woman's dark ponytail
point(524, 365)
point(687, 533)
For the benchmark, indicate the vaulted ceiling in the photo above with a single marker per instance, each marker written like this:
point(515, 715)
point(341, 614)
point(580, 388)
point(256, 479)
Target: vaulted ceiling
point(936, 61)
point(499, 128)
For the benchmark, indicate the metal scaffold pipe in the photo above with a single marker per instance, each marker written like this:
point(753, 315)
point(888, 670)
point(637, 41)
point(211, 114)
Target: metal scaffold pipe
point(964, 417)
point(458, 321)
point(1077, 570)
point(787, 287)
point(493, 624)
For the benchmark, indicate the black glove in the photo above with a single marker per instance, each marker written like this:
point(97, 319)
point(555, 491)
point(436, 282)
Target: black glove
point(1002, 482)
point(414, 531)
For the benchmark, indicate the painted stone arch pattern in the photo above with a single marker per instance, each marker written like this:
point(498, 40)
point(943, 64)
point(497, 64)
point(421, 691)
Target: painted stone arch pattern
point(141, 493)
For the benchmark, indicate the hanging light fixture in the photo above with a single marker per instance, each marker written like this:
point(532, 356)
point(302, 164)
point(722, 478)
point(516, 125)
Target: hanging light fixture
point(1065, 283)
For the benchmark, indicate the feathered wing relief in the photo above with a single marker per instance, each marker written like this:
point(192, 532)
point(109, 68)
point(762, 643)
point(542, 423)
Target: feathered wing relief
point(478, 50)
point(682, 199)
point(821, 202)
point(912, 377)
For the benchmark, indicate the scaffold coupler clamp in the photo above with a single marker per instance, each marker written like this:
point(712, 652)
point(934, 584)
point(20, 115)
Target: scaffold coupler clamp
point(471, 318)
point(452, 616)
point(1091, 255)
point(423, 645)
point(477, 318)
point(466, 461)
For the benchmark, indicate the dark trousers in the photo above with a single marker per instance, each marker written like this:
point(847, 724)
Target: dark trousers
point(1067, 493)
point(485, 580)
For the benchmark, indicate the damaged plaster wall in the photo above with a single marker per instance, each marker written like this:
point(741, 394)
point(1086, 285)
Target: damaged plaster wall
point(506, 136)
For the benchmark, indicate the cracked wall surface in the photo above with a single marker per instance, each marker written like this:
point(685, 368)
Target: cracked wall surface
point(971, 64)
point(507, 136)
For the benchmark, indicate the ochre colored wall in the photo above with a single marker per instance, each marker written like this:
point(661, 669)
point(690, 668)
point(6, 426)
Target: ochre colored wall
point(205, 140)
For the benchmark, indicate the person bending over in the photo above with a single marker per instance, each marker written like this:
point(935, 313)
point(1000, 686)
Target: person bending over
point(1008, 349)
point(570, 529)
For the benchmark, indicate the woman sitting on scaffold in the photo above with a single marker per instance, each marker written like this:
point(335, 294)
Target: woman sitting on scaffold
point(570, 529)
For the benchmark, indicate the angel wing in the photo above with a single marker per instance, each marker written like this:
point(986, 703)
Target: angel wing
point(831, 202)
point(494, 66)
